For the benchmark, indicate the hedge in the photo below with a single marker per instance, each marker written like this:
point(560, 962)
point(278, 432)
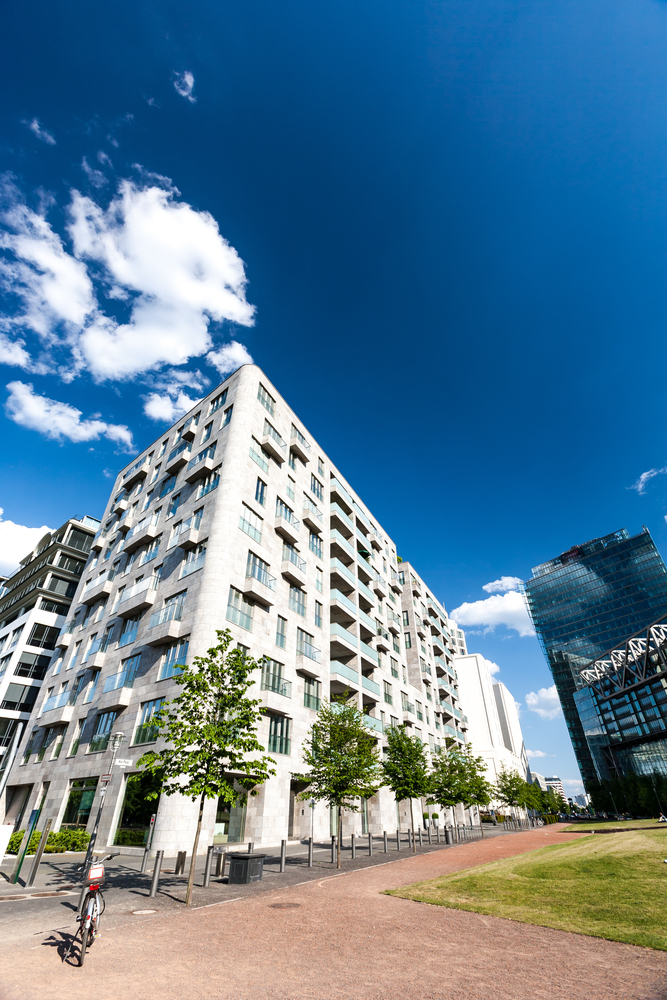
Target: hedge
point(57, 843)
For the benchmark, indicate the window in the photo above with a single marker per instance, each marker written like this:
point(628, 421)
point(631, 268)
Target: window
point(406, 619)
point(163, 448)
point(75, 653)
point(167, 486)
point(239, 611)
point(292, 459)
point(156, 472)
point(209, 483)
point(260, 491)
point(258, 454)
point(250, 522)
point(4, 663)
point(297, 601)
point(149, 497)
point(304, 646)
point(319, 579)
point(273, 680)
point(259, 570)
point(408, 641)
point(318, 614)
point(227, 417)
point(43, 636)
point(420, 714)
point(290, 488)
point(19, 698)
point(53, 606)
point(218, 402)
point(79, 804)
point(266, 399)
point(401, 577)
point(148, 728)
point(15, 637)
point(316, 487)
point(207, 433)
point(315, 544)
point(405, 704)
point(130, 629)
point(173, 505)
point(281, 632)
point(387, 693)
point(71, 565)
point(282, 510)
point(194, 560)
point(320, 465)
point(312, 693)
point(279, 734)
point(174, 659)
point(394, 667)
point(78, 732)
point(150, 551)
point(79, 540)
point(393, 721)
point(103, 726)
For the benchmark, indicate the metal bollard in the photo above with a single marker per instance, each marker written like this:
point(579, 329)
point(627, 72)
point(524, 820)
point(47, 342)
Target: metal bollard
point(310, 852)
point(38, 854)
point(421, 842)
point(251, 848)
point(437, 831)
point(156, 873)
point(409, 839)
point(207, 867)
point(370, 844)
point(180, 863)
point(144, 860)
point(429, 834)
point(449, 837)
point(219, 859)
point(354, 846)
point(333, 850)
point(385, 842)
point(283, 852)
point(398, 840)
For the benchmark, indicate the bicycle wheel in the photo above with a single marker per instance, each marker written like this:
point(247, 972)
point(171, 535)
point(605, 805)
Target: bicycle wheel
point(86, 912)
point(95, 920)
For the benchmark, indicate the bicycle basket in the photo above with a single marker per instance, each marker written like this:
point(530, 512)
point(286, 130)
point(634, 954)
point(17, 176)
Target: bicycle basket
point(96, 874)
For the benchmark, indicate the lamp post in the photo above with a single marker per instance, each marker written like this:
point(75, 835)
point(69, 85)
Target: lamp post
point(114, 744)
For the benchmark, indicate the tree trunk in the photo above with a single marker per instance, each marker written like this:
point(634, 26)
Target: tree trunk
point(340, 835)
point(191, 876)
point(412, 822)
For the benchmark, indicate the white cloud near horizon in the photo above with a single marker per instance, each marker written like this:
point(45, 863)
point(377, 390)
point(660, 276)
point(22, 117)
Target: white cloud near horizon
point(57, 420)
point(165, 265)
point(493, 668)
point(530, 754)
point(184, 85)
point(41, 133)
point(16, 541)
point(503, 584)
point(508, 609)
point(544, 702)
point(645, 478)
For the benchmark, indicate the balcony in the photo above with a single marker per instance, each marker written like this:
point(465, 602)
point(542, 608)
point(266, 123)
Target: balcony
point(383, 640)
point(415, 586)
point(126, 523)
point(299, 444)
point(189, 429)
point(449, 731)
point(260, 586)
point(137, 598)
point(363, 589)
point(369, 685)
point(138, 471)
point(186, 534)
point(426, 669)
point(342, 675)
point(64, 639)
point(201, 465)
point(305, 648)
point(312, 516)
point(379, 585)
point(376, 540)
point(364, 569)
point(339, 600)
point(343, 639)
point(60, 707)
point(274, 444)
point(336, 539)
point(339, 513)
point(97, 543)
point(164, 625)
point(293, 567)
point(369, 653)
point(287, 526)
point(422, 631)
point(277, 684)
point(373, 723)
point(178, 457)
point(438, 645)
point(146, 530)
point(100, 586)
point(120, 504)
point(115, 697)
point(394, 622)
point(338, 567)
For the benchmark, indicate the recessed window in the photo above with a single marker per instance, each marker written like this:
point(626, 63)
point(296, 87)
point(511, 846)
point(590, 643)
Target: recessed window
point(408, 641)
point(260, 491)
point(266, 399)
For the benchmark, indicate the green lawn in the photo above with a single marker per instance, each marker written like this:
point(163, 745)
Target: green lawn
point(611, 887)
point(611, 824)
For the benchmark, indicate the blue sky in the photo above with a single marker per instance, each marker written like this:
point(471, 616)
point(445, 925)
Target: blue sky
point(441, 228)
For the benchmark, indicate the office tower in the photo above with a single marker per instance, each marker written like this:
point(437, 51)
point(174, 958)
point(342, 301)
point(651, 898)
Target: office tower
point(586, 601)
point(33, 603)
point(233, 518)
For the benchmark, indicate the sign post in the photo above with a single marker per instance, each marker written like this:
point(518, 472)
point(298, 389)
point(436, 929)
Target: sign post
point(23, 849)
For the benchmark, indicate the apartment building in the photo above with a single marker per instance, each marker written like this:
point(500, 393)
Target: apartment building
point(556, 785)
point(34, 601)
point(234, 518)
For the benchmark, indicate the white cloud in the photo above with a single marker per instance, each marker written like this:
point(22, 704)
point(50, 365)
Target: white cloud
point(530, 754)
point(96, 177)
point(184, 84)
point(544, 702)
point(13, 352)
point(493, 667)
point(503, 584)
point(40, 132)
point(645, 478)
point(230, 357)
point(16, 541)
point(575, 784)
point(166, 408)
point(57, 420)
point(507, 609)
point(167, 263)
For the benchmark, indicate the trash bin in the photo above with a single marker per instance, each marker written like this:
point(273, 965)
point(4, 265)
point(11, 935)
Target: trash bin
point(245, 868)
point(449, 836)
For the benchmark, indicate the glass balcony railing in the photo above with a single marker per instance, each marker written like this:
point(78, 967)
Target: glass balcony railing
point(99, 743)
point(279, 744)
point(336, 630)
point(342, 669)
point(146, 732)
point(146, 522)
point(338, 567)
point(370, 685)
point(288, 517)
point(373, 723)
point(184, 446)
point(123, 679)
point(128, 637)
point(135, 468)
point(273, 433)
point(276, 683)
point(148, 583)
point(308, 505)
point(259, 573)
point(59, 700)
point(201, 457)
point(305, 648)
point(298, 436)
point(291, 555)
point(239, 617)
point(408, 706)
point(335, 595)
point(172, 612)
point(312, 701)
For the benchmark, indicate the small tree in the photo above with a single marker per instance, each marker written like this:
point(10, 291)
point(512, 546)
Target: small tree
point(210, 732)
point(477, 790)
point(512, 789)
point(342, 759)
point(406, 769)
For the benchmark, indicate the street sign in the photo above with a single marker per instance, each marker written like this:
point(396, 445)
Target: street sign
point(124, 763)
point(105, 778)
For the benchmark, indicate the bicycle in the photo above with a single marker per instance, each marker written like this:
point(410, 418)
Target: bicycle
point(92, 907)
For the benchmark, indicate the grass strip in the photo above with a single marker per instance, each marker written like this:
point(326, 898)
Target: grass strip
point(610, 824)
point(607, 887)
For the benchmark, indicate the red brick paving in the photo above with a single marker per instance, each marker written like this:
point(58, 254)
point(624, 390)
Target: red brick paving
point(341, 939)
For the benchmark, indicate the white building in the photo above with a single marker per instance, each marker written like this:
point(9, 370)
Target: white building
point(233, 518)
point(557, 785)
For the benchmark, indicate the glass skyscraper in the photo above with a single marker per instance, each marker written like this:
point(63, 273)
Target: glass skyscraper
point(587, 600)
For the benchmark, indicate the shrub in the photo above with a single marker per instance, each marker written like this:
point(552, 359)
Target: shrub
point(64, 840)
point(131, 838)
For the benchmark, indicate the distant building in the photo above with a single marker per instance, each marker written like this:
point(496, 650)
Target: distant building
point(583, 603)
point(538, 779)
point(557, 786)
point(582, 800)
point(34, 601)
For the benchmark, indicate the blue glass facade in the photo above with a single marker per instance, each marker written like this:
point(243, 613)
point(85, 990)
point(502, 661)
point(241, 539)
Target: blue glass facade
point(583, 603)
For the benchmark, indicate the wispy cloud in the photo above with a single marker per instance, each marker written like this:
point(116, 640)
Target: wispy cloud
point(16, 540)
point(503, 584)
point(508, 609)
point(184, 84)
point(544, 702)
point(41, 133)
point(59, 421)
point(645, 478)
point(96, 177)
point(530, 754)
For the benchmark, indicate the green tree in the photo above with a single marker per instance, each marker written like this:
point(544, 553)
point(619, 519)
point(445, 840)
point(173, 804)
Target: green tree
point(477, 790)
point(457, 776)
point(210, 729)
point(511, 789)
point(342, 760)
point(406, 769)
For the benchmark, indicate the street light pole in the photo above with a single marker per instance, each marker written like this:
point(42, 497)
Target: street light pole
point(115, 741)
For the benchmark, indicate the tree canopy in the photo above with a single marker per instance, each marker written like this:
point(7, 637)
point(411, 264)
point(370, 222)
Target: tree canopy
point(406, 768)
